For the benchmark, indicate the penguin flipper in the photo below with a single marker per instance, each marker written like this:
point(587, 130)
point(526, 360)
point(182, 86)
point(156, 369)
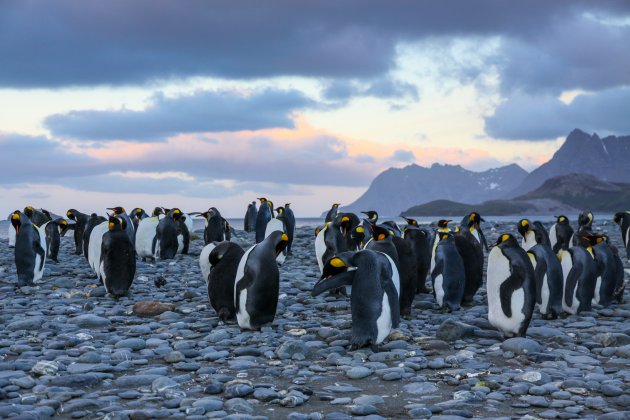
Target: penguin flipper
point(539, 275)
point(508, 287)
point(394, 303)
point(344, 279)
point(484, 242)
point(571, 284)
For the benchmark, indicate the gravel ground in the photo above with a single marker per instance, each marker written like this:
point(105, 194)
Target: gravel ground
point(67, 350)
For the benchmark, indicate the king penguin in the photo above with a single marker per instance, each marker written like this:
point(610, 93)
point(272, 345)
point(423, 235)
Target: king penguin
point(136, 216)
point(472, 222)
point(249, 223)
point(289, 222)
point(146, 233)
point(120, 212)
point(43, 219)
point(374, 302)
point(80, 224)
point(257, 282)
point(172, 236)
point(560, 234)
point(579, 270)
point(117, 266)
point(29, 251)
point(471, 251)
point(442, 227)
point(420, 240)
point(217, 228)
point(623, 220)
point(606, 271)
point(222, 264)
point(448, 276)
point(585, 226)
point(93, 221)
point(262, 218)
point(549, 280)
point(511, 287)
point(11, 233)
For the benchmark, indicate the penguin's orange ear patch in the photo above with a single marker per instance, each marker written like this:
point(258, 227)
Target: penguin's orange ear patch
point(524, 223)
point(505, 237)
point(381, 237)
point(337, 263)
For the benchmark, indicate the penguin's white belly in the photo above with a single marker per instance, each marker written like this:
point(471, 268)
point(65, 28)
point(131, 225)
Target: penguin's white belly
point(529, 240)
point(320, 248)
point(274, 225)
point(204, 263)
point(241, 299)
point(553, 237)
point(627, 237)
point(180, 243)
point(156, 254)
point(38, 272)
point(242, 316)
point(567, 265)
point(498, 272)
point(544, 296)
point(439, 289)
point(94, 249)
point(435, 244)
point(395, 274)
point(101, 270)
point(384, 321)
point(188, 222)
point(598, 285)
point(475, 233)
point(11, 236)
point(147, 229)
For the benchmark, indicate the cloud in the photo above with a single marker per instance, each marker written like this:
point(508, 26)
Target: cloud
point(382, 88)
point(403, 156)
point(203, 111)
point(526, 117)
point(66, 43)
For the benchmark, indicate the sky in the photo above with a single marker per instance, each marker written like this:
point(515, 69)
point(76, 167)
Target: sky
point(197, 104)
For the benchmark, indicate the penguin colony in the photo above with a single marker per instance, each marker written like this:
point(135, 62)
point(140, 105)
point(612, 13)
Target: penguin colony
point(379, 266)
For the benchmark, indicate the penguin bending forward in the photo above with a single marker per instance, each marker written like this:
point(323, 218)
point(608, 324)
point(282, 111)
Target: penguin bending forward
point(222, 264)
point(29, 251)
point(374, 301)
point(117, 266)
point(257, 282)
point(511, 287)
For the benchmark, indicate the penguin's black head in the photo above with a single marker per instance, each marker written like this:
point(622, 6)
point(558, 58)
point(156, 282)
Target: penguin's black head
point(262, 200)
point(336, 205)
point(443, 224)
point(444, 235)
point(28, 211)
point(474, 220)
point(63, 226)
point(585, 218)
point(371, 214)
point(280, 210)
point(287, 205)
point(334, 266)
point(116, 223)
point(319, 229)
point(524, 226)
point(411, 222)
point(176, 214)
point(139, 212)
point(16, 221)
point(358, 234)
point(589, 239)
point(562, 219)
point(157, 211)
point(506, 239)
point(380, 233)
point(346, 223)
point(620, 216)
point(281, 243)
point(71, 214)
point(117, 210)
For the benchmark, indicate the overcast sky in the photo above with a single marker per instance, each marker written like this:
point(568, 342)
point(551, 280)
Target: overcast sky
point(198, 104)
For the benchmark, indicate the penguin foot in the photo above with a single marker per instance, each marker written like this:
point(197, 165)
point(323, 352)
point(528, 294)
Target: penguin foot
point(422, 289)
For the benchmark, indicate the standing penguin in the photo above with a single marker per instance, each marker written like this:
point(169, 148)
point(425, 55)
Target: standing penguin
point(120, 212)
point(146, 233)
point(606, 271)
point(619, 284)
point(332, 213)
point(401, 254)
point(11, 233)
point(448, 276)
point(511, 287)
point(262, 218)
point(42, 218)
point(250, 217)
point(172, 236)
point(472, 222)
point(222, 264)
point(549, 280)
point(420, 241)
point(471, 252)
point(117, 266)
point(580, 276)
point(81, 221)
point(442, 227)
point(560, 234)
point(374, 301)
point(217, 228)
point(93, 221)
point(30, 249)
point(289, 222)
point(257, 282)
point(623, 220)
